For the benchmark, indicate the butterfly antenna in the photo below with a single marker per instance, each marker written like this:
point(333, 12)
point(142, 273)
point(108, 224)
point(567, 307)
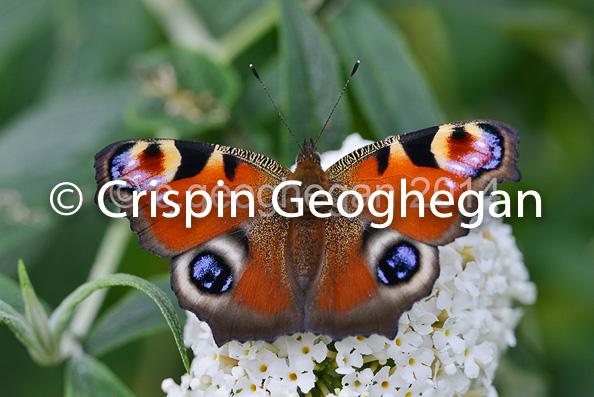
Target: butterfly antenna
point(273, 104)
point(339, 98)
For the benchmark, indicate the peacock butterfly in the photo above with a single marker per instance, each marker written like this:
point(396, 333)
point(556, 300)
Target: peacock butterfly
point(257, 277)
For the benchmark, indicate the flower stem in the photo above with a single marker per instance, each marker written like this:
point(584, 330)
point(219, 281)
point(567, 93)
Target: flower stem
point(249, 30)
point(106, 262)
point(184, 27)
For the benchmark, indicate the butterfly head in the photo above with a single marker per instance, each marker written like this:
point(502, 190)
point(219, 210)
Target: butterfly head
point(309, 154)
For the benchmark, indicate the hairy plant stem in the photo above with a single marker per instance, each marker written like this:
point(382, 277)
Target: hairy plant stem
point(250, 30)
point(106, 262)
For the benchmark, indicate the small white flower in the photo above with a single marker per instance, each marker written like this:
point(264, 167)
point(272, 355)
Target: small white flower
point(422, 321)
point(241, 351)
point(294, 378)
point(449, 335)
point(246, 387)
point(348, 357)
point(451, 384)
point(171, 388)
point(377, 343)
point(259, 368)
point(418, 365)
point(418, 389)
point(453, 301)
point(475, 355)
point(197, 333)
point(207, 363)
point(278, 387)
point(309, 345)
point(470, 280)
point(358, 382)
point(386, 384)
point(221, 382)
point(405, 342)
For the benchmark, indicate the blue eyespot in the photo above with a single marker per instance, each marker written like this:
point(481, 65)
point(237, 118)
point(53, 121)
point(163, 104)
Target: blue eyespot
point(210, 273)
point(399, 264)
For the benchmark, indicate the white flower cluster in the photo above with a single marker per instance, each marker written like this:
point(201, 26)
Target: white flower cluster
point(448, 344)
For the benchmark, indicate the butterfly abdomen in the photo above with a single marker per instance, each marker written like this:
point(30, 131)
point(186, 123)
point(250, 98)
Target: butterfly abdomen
point(304, 251)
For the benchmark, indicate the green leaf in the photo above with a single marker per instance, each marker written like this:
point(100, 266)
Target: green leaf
point(311, 79)
point(131, 318)
point(36, 315)
point(10, 293)
point(17, 323)
point(182, 90)
point(12, 301)
point(60, 134)
point(388, 87)
point(88, 377)
point(63, 313)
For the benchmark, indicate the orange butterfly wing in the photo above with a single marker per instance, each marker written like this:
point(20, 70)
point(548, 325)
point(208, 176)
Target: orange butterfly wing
point(451, 157)
point(160, 165)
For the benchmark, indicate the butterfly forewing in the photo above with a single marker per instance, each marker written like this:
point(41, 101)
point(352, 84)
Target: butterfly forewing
point(163, 165)
point(452, 157)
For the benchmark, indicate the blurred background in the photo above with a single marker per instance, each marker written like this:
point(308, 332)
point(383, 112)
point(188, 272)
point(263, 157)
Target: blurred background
point(78, 75)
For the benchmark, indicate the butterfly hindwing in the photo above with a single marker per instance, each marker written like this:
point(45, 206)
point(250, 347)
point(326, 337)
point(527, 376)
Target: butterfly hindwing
point(368, 277)
point(240, 283)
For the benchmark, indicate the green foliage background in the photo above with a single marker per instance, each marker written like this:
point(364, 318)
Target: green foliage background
point(77, 75)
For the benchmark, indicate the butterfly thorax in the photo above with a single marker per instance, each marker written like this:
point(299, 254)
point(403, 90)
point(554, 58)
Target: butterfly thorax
point(311, 175)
